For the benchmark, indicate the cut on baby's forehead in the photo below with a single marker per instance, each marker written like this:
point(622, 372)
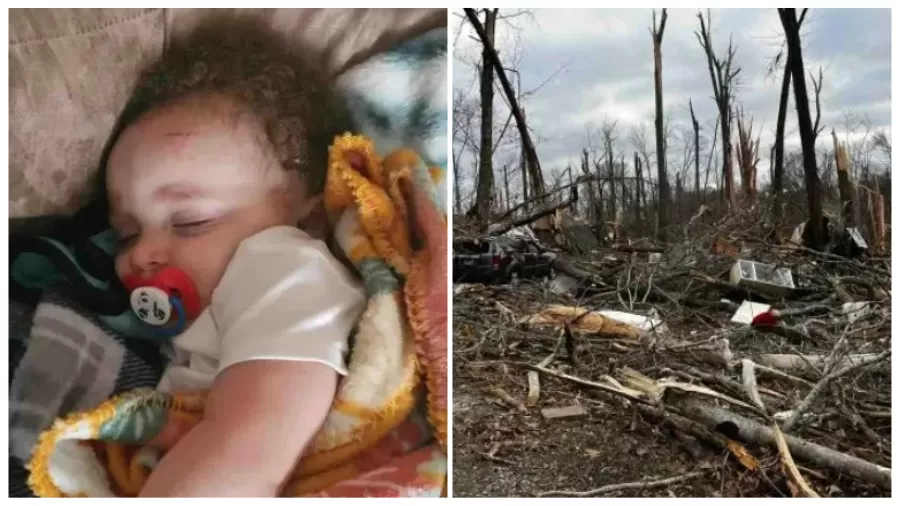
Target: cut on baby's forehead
point(201, 127)
point(186, 153)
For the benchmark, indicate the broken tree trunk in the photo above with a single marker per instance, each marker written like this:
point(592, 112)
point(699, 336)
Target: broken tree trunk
point(712, 151)
point(534, 165)
point(753, 432)
point(639, 188)
point(807, 131)
point(586, 168)
point(675, 209)
point(523, 166)
point(845, 184)
point(722, 76)
point(598, 211)
point(663, 209)
point(696, 125)
point(778, 171)
point(485, 169)
point(748, 157)
point(610, 170)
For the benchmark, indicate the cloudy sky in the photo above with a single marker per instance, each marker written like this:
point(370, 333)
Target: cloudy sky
point(599, 63)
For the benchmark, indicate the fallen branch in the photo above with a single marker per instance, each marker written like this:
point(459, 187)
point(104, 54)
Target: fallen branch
point(811, 396)
point(627, 248)
point(867, 431)
point(567, 267)
point(534, 380)
point(831, 256)
point(507, 399)
point(593, 384)
point(806, 364)
point(793, 473)
point(753, 432)
point(748, 374)
point(512, 210)
point(502, 228)
point(635, 485)
point(780, 374)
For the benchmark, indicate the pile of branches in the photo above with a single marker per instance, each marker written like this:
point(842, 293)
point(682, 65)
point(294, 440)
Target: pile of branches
point(810, 390)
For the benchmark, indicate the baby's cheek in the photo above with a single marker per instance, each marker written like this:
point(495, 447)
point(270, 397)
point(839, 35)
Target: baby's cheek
point(122, 266)
point(205, 264)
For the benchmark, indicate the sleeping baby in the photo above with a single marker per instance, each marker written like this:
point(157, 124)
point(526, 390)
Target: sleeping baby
point(215, 182)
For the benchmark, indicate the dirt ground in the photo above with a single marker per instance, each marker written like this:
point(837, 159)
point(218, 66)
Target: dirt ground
point(533, 456)
point(502, 448)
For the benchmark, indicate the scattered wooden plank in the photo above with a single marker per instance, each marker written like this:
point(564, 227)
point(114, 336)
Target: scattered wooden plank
point(563, 412)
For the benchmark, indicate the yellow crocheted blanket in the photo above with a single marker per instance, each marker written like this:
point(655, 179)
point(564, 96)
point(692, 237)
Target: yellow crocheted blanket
point(398, 355)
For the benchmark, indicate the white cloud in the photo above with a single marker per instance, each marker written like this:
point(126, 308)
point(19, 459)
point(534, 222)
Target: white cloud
point(607, 55)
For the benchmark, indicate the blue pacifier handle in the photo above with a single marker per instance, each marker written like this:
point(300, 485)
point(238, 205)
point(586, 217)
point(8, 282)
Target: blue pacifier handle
point(179, 325)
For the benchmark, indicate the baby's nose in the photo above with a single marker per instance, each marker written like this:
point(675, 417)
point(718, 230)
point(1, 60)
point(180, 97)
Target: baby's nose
point(150, 253)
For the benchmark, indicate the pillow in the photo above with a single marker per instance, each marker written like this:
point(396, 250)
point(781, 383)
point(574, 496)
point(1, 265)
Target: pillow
point(72, 71)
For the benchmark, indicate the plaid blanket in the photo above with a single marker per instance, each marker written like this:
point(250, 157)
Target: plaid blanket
point(64, 359)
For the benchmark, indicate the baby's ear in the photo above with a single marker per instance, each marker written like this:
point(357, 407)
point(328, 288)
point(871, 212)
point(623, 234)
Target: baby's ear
point(306, 211)
point(313, 218)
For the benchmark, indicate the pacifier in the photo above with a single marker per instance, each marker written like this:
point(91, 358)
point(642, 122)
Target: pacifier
point(168, 296)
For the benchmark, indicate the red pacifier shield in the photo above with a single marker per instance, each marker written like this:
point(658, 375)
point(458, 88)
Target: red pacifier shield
point(150, 297)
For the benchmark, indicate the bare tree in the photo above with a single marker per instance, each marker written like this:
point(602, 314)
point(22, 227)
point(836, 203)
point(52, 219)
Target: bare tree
point(490, 53)
point(712, 152)
point(465, 112)
point(685, 137)
point(747, 155)
point(778, 149)
point(482, 208)
point(723, 75)
point(607, 134)
point(696, 126)
point(808, 130)
point(663, 209)
point(882, 141)
point(639, 187)
point(845, 182)
point(778, 170)
point(640, 143)
point(586, 169)
point(626, 194)
point(507, 203)
point(598, 212)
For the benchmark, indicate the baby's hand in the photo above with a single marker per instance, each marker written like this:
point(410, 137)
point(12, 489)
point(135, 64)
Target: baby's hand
point(177, 425)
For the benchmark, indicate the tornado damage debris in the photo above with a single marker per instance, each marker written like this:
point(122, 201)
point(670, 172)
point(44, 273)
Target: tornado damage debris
point(732, 364)
point(676, 294)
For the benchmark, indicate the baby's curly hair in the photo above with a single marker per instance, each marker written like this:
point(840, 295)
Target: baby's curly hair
point(244, 59)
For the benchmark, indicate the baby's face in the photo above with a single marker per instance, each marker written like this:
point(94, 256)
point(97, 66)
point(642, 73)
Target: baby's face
point(187, 185)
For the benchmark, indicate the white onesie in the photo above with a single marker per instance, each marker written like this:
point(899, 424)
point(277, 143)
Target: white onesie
point(283, 296)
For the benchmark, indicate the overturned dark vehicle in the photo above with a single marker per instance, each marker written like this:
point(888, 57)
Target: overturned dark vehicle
point(500, 259)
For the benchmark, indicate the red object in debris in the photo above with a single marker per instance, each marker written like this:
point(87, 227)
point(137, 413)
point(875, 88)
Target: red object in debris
point(767, 319)
point(495, 262)
point(175, 283)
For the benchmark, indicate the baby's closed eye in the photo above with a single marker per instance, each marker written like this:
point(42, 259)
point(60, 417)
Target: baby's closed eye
point(193, 227)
